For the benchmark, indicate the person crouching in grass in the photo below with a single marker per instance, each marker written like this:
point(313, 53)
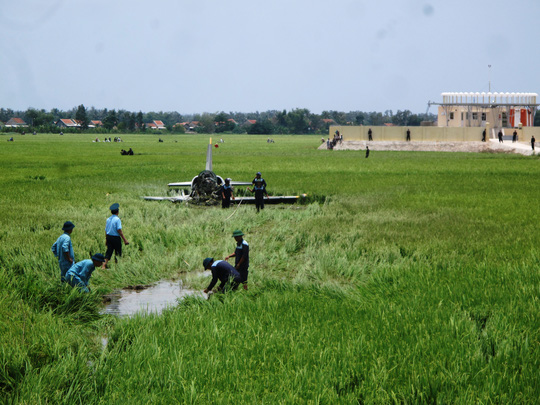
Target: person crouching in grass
point(224, 272)
point(79, 274)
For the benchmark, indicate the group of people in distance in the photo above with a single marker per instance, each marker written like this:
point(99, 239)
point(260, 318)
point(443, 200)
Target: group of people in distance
point(127, 152)
point(77, 274)
point(259, 189)
point(338, 138)
point(116, 139)
point(230, 277)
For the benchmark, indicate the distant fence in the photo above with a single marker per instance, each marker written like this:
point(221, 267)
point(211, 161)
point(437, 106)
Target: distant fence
point(431, 134)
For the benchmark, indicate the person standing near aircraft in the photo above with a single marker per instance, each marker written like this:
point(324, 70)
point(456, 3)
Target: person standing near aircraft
point(114, 235)
point(484, 135)
point(224, 272)
point(79, 274)
point(226, 194)
point(532, 142)
point(259, 188)
point(241, 256)
point(367, 151)
point(370, 135)
point(258, 180)
point(63, 250)
point(500, 134)
point(408, 139)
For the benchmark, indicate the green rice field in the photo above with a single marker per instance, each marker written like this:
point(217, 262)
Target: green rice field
point(408, 277)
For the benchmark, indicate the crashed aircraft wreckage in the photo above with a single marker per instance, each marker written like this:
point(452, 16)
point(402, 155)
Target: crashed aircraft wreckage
point(205, 189)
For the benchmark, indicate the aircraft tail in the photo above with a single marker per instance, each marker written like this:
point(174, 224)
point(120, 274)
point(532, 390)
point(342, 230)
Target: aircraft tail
point(209, 156)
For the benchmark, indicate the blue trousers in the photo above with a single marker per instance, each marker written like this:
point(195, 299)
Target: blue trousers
point(74, 281)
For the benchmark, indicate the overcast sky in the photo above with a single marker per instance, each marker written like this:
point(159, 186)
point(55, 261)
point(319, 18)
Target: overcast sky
point(248, 55)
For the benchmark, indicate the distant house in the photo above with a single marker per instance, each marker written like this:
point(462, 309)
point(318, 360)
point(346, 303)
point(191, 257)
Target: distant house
point(180, 125)
point(160, 124)
point(67, 123)
point(251, 122)
point(95, 124)
point(192, 125)
point(233, 121)
point(156, 124)
point(328, 121)
point(16, 122)
point(185, 124)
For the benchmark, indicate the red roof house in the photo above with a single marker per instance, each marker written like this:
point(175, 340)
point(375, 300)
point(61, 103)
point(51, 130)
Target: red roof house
point(68, 123)
point(16, 122)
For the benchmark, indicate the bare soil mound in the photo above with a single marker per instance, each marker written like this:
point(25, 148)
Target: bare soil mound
point(486, 147)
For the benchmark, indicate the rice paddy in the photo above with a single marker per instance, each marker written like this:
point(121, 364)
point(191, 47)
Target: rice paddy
point(408, 277)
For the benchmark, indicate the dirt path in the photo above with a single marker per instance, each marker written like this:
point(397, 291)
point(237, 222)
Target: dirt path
point(492, 146)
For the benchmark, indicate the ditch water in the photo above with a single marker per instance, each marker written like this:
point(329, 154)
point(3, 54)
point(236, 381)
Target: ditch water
point(146, 299)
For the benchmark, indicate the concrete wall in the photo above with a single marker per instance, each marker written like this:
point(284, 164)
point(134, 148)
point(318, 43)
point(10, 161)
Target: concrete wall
point(431, 134)
point(527, 132)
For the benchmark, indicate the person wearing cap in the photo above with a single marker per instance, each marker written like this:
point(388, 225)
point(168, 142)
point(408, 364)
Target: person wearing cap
point(258, 180)
point(226, 194)
point(79, 274)
point(114, 235)
point(63, 250)
point(224, 272)
point(241, 256)
point(259, 188)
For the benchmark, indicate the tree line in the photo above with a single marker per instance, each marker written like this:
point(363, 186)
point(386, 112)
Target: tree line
point(296, 121)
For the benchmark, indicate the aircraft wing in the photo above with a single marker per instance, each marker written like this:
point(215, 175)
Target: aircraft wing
point(240, 183)
point(179, 198)
point(181, 184)
point(273, 199)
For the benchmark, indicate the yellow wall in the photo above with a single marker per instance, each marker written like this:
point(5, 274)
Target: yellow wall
point(431, 134)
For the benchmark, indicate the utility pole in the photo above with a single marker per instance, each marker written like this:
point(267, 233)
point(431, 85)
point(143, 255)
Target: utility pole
point(489, 78)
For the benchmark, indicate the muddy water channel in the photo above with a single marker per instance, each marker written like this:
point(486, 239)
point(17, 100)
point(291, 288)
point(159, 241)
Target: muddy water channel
point(147, 299)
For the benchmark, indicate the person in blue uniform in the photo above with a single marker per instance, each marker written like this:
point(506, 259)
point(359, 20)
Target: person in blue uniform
point(226, 194)
point(63, 250)
point(259, 188)
point(224, 272)
point(241, 256)
point(79, 274)
point(114, 235)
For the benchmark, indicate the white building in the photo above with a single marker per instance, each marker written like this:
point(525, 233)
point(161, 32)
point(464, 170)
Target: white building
point(498, 110)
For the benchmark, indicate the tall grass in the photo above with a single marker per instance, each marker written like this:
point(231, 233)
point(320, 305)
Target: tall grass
point(414, 278)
